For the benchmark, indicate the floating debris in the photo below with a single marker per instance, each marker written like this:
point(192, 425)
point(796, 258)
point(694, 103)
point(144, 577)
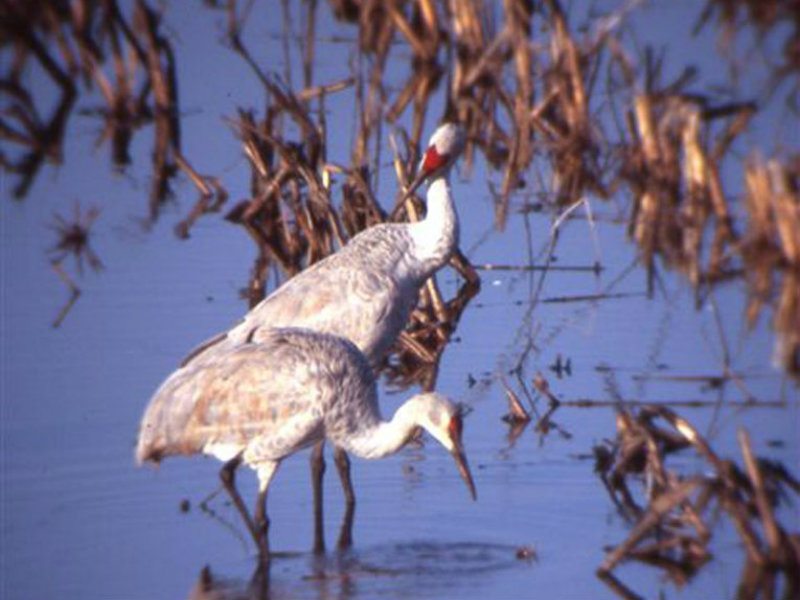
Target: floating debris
point(527, 553)
point(516, 412)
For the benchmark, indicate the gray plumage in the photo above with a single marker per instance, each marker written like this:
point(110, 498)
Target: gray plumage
point(257, 393)
point(365, 291)
point(263, 402)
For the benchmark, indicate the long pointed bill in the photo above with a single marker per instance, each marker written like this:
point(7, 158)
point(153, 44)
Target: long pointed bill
point(432, 162)
point(420, 177)
point(463, 468)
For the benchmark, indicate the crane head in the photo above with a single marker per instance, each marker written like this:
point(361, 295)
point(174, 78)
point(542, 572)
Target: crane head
point(444, 148)
point(443, 420)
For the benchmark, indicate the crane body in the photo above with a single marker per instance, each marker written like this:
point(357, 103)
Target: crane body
point(259, 403)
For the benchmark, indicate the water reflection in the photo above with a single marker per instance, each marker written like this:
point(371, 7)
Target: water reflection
point(669, 150)
point(397, 570)
point(673, 514)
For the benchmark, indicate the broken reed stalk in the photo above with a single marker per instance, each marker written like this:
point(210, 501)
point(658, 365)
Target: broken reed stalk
point(770, 528)
point(416, 355)
point(73, 48)
point(74, 239)
point(658, 510)
point(541, 385)
point(675, 502)
point(291, 215)
point(771, 247)
point(518, 96)
point(516, 411)
point(74, 294)
point(678, 200)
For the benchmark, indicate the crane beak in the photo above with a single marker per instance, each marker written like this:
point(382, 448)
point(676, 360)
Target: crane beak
point(463, 467)
point(432, 162)
point(422, 174)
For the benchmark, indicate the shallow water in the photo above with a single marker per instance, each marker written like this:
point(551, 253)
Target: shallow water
point(80, 521)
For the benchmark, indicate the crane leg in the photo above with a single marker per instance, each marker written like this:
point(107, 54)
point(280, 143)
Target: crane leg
point(262, 527)
point(343, 468)
point(317, 473)
point(259, 584)
point(228, 477)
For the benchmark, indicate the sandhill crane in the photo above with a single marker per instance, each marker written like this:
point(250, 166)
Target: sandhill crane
point(364, 292)
point(258, 403)
point(367, 289)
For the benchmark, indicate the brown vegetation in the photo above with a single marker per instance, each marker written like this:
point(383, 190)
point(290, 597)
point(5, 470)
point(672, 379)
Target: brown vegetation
point(73, 240)
point(575, 110)
point(519, 77)
point(84, 46)
point(673, 514)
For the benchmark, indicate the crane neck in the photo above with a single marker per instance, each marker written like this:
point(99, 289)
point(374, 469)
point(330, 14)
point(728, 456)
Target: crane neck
point(381, 438)
point(436, 236)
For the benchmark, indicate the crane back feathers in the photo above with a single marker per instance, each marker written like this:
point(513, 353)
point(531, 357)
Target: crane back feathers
point(265, 401)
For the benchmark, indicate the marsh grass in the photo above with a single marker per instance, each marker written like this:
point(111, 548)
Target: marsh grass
point(577, 110)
